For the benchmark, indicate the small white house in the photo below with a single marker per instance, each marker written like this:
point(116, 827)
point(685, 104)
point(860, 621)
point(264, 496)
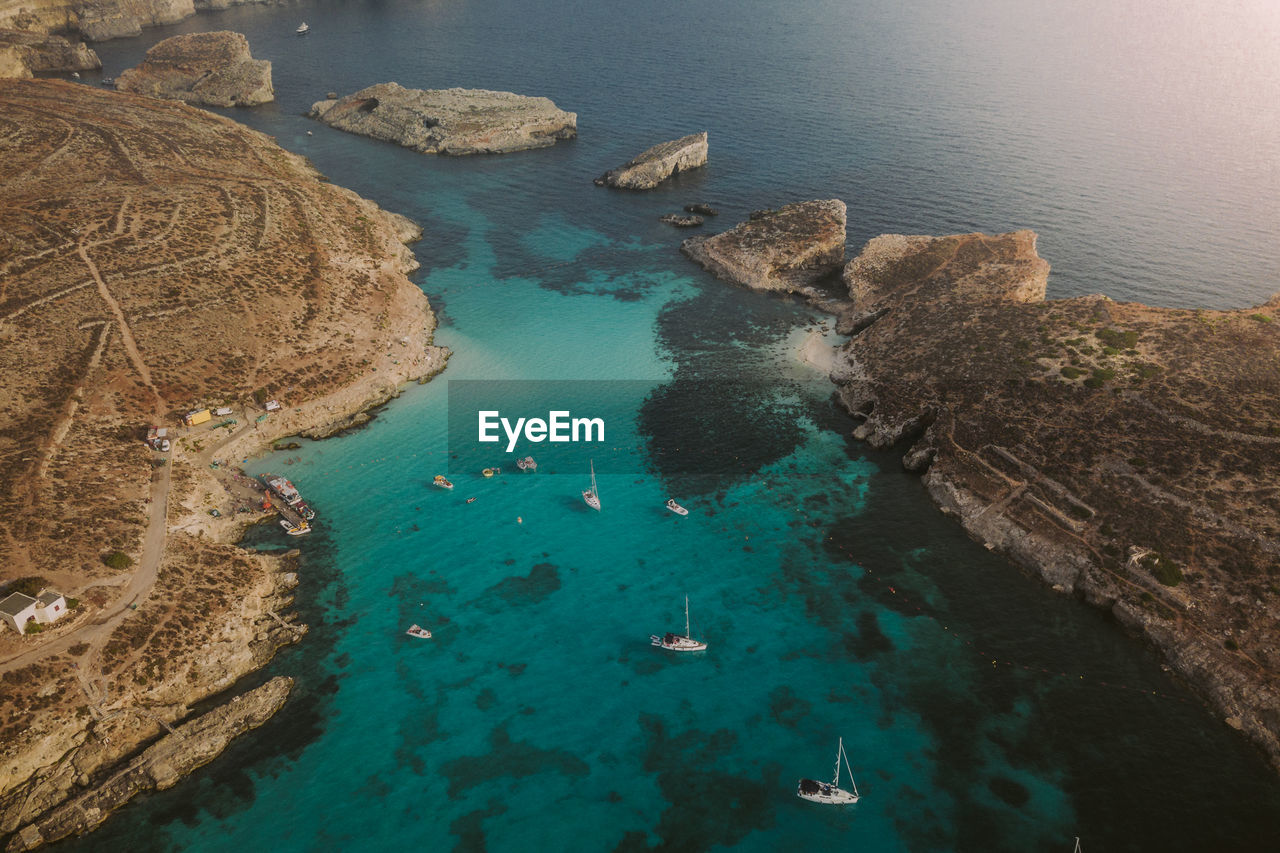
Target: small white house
point(273, 406)
point(222, 411)
point(50, 607)
point(19, 609)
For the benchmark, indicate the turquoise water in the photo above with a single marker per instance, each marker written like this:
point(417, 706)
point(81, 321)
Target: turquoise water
point(979, 710)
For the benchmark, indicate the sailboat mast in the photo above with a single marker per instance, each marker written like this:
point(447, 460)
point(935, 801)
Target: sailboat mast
point(686, 617)
point(839, 749)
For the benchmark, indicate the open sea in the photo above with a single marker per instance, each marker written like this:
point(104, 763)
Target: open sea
point(979, 710)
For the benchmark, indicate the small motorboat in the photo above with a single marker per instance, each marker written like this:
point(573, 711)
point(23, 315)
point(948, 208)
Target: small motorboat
point(303, 29)
point(675, 507)
point(527, 464)
point(441, 482)
point(294, 529)
point(418, 631)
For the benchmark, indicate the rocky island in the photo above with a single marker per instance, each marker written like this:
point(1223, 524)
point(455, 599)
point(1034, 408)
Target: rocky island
point(788, 249)
point(214, 69)
point(449, 121)
point(137, 282)
point(656, 164)
point(1124, 453)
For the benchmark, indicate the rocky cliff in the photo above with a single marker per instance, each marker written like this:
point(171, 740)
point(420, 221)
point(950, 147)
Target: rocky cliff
point(1124, 453)
point(449, 121)
point(202, 68)
point(22, 53)
point(788, 249)
point(658, 163)
point(160, 766)
point(99, 20)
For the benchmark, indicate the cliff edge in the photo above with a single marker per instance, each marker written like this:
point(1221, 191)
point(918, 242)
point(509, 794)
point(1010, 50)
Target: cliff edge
point(656, 164)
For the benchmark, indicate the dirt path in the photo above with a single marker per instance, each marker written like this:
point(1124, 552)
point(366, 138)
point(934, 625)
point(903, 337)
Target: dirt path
point(126, 334)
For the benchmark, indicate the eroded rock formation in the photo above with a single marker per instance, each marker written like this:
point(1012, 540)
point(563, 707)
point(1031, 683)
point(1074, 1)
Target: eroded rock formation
point(160, 766)
point(22, 53)
point(202, 68)
point(658, 163)
point(449, 121)
point(787, 249)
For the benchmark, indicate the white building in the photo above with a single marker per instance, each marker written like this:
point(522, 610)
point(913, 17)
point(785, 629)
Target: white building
point(19, 609)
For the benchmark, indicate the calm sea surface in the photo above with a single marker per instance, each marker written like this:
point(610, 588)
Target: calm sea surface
point(979, 710)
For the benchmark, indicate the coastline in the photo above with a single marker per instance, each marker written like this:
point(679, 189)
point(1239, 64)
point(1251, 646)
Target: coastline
point(197, 612)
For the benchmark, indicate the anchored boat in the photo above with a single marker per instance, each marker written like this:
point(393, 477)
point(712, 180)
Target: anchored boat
point(418, 631)
point(675, 507)
point(833, 794)
point(679, 642)
point(592, 495)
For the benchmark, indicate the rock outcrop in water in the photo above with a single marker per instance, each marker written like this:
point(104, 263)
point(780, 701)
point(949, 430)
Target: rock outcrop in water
point(449, 121)
point(160, 766)
point(787, 249)
point(23, 53)
point(1126, 454)
point(214, 69)
point(658, 163)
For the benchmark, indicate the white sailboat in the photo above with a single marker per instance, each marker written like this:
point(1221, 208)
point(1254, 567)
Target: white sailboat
point(833, 794)
point(679, 642)
point(303, 29)
point(592, 495)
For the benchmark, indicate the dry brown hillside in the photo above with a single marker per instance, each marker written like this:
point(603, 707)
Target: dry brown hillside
point(155, 257)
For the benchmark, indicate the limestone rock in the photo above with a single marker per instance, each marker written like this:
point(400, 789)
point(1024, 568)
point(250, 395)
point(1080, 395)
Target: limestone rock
point(22, 53)
point(449, 121)
point(681, 221)
point(100, 20)
point(658, 163)
point(787, 249)
point(701, 209)
point(202, 68)
point(161, 765)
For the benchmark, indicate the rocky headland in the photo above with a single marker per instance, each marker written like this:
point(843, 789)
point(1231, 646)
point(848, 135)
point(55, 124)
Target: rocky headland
point(99, 20)
point(790, 249)
point(449, 121)
point(154, 258)
point(1126, 454)
point(23, 53)
point(213, 69)
point(656, 164)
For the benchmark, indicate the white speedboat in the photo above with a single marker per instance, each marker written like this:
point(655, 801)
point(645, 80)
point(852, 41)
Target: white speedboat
point(303, 29)
point(527, 464)
point(592, 495)
point(675, 507)
point(679, 642)
point(294, 529)
point(441, 482)
point(833, 794)
point(418, 631)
